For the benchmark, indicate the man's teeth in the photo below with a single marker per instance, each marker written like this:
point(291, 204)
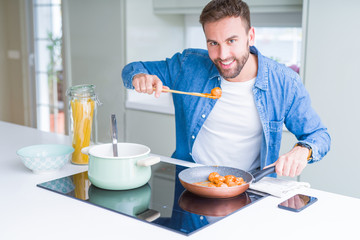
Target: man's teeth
point(227, 63)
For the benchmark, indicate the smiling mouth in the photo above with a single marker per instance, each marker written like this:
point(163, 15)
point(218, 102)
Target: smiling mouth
point(226, 64)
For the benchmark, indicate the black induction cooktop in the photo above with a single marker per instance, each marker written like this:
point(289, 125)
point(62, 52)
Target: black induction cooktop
point(163, 201)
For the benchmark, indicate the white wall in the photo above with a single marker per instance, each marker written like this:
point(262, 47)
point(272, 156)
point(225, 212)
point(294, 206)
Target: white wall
point(151, 37)
point(332, 78)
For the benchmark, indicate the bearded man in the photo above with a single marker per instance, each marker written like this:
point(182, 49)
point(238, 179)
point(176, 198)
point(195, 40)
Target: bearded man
point(243, 128)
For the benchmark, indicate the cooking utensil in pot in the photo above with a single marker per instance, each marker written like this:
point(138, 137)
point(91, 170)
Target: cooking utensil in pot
point(114, 134)
point(211, 206)
point(190, 176)
point(130, 169)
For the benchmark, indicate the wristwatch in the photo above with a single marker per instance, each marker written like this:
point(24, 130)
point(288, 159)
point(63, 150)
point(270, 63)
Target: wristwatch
point(301, 144)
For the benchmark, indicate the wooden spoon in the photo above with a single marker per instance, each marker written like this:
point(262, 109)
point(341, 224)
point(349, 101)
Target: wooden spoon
point(215, 93)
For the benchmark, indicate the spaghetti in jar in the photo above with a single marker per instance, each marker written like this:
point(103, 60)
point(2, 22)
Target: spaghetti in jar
point(82, 119)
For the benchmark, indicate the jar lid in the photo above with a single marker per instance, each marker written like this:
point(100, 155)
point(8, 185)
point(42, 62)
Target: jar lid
point(85, 90)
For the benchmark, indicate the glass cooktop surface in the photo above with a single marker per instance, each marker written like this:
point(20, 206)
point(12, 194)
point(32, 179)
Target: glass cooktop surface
point(163, 201)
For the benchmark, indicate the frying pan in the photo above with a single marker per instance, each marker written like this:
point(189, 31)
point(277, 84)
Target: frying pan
point(193, 175)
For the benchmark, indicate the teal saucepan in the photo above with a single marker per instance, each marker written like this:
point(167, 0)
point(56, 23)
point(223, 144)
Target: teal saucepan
point(130, 169)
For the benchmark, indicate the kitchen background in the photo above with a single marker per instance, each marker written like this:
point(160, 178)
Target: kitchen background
point(99, 37)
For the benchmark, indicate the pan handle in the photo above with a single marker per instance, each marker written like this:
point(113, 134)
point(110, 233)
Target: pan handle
point(262, 173)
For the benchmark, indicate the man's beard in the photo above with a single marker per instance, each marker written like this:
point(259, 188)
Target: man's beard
point(233, 72)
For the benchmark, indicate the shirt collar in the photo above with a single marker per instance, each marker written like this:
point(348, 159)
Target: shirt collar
point(261, 77)
point(214, 72)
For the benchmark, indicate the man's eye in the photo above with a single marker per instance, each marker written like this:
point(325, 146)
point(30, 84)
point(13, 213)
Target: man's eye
point(232, 40)
point(213, 43)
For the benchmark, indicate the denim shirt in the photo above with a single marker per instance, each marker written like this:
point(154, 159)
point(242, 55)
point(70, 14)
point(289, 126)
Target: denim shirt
point(279, 94)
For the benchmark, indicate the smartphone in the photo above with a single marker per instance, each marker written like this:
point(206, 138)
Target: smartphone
point(297, 203)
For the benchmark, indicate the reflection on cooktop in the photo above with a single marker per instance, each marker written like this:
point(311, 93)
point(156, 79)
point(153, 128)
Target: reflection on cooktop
point(210, 206)
point(163, 201)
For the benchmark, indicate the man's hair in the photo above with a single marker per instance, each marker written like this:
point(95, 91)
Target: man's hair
point(219, 9)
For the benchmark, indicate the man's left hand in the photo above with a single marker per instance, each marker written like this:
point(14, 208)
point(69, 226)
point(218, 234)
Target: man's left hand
point(292, 163)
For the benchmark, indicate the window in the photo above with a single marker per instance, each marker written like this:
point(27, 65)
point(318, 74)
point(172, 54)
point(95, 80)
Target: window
point(280, 44)
point(48, 65)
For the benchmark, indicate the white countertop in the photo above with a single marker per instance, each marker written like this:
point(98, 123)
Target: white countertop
point(29, 212)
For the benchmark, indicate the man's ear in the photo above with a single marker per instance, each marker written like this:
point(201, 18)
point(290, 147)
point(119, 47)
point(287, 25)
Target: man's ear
point(251, 36)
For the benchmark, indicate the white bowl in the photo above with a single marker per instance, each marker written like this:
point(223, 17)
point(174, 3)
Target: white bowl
point(45, 158)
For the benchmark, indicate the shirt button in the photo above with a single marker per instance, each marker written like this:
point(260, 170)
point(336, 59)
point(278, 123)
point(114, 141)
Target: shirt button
point(203, 116)
point(190, 154)
point(193, 137)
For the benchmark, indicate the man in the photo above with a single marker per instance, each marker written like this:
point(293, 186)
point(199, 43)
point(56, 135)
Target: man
point(243, 128)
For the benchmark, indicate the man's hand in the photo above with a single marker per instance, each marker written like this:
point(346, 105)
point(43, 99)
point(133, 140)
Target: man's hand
point(292, 163)
point(145, 83)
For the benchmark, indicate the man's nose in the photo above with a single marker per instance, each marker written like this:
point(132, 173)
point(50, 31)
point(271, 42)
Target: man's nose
point(223, 52)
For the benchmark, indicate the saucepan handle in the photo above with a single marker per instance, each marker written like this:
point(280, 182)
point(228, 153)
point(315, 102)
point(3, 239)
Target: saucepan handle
point(86, 150)
point(146, 162)
point(149, 215)
point(262, 173)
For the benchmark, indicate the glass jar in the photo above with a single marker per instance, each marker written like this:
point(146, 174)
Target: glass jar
point(83, 104)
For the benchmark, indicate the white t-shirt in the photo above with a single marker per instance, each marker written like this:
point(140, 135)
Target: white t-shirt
point(232, 133)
